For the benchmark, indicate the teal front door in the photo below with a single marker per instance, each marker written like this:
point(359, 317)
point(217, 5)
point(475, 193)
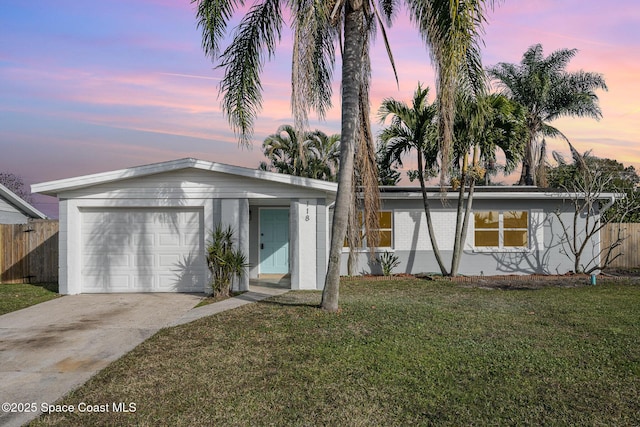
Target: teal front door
point(274, 241)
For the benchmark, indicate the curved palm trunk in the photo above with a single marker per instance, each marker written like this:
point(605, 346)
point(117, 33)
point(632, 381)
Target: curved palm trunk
point(462, 220)
point(352, 67)
point(427, 212)
point(462, 225)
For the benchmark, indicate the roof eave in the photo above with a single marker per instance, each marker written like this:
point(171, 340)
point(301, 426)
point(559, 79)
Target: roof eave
point(53, 188)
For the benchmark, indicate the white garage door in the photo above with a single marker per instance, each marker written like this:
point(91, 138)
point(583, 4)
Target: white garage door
point(143, 250)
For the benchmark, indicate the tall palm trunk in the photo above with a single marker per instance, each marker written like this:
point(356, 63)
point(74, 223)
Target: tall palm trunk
point(462, 219)
point(427, 211)
point(352, 75)
point(527, 175)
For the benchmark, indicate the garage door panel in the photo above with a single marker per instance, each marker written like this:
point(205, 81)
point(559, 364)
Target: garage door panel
point(190, 239)
point(190, 219)
point(171, 260)
point(144, 281)
point(115, 282)
point(93, 218)
point(170, 240)
point(185, 282)
point(106, 237)
point(116, 218)
point(103, 262)
point(143, 250)
point(144, 261)
point(92, 284)
point(142, 240)
point(120, 281)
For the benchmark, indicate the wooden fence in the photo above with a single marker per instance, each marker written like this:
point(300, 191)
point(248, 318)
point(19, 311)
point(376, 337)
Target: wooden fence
point(630, 248)
point(29, 252)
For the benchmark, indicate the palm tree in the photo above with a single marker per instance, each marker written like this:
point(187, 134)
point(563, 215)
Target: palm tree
point(450, 28)
point(388, 173)
point(482, 125)
point(414, 128)
point(547, 91)
point(507, 131)
point(284, 151)
point(324, 155)
point(502, 127)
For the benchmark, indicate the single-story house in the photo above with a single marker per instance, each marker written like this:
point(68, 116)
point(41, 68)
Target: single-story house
point(511, 230)
point(145, 228)
point(15, 210)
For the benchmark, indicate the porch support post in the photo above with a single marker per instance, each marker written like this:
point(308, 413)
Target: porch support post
point(302, 236)
point(235, 212)
point(322, 247)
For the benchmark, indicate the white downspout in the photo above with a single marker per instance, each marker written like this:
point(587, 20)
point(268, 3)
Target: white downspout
point(612, 200)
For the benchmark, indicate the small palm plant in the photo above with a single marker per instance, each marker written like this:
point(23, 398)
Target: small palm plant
point(224, 262)
point(388, 261)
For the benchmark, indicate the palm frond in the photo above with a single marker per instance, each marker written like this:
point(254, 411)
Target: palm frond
point(386, 43)
point(451, 29)
point(313, 60)
point(243, 60)
point(212, 17)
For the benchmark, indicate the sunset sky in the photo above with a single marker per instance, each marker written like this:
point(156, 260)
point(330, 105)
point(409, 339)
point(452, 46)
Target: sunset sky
point(88, 86)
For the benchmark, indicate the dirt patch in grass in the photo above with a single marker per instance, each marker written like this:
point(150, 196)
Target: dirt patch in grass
point(519, 282)
point(211, 299)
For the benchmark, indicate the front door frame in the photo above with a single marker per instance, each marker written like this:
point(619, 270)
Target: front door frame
point(281, 208)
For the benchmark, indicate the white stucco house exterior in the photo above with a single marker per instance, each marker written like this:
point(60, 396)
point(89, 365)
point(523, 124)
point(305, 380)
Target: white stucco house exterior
point(15, 210)
point(512, 230)
point(145, 228)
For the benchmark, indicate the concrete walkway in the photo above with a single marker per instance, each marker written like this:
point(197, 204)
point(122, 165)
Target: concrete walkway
point(257, 293)
point(49, 349)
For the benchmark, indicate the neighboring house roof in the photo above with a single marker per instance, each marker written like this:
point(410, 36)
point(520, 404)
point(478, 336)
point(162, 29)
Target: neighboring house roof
point(19, 204)
point(54, 187)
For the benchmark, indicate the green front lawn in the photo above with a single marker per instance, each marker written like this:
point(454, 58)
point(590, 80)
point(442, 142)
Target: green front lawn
point(399, 353)
point(18, 296)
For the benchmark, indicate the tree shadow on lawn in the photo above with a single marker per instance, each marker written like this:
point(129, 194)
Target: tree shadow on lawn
point(287, 300)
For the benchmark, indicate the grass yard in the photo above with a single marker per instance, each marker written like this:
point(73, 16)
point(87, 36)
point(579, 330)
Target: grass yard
point(18, 296)
point(399, 353)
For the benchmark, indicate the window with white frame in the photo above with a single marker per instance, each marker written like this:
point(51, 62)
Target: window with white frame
point(385, 230)
point(501, 229)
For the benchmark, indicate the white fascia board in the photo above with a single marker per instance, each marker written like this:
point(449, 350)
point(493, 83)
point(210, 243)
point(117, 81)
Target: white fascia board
point(53, 188)
point(316, 184)
point(20, 204)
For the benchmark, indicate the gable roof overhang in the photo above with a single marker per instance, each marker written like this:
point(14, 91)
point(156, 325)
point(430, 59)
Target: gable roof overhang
point(53, 188)
point(21, 205)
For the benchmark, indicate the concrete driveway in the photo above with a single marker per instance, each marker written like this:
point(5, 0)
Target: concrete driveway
point(51, 348)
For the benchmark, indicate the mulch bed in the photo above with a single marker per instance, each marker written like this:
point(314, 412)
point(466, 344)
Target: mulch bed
point(515, 281)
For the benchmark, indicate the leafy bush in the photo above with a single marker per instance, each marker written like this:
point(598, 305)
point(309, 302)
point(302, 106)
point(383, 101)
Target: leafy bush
point(224, 262)
point(388, 261)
